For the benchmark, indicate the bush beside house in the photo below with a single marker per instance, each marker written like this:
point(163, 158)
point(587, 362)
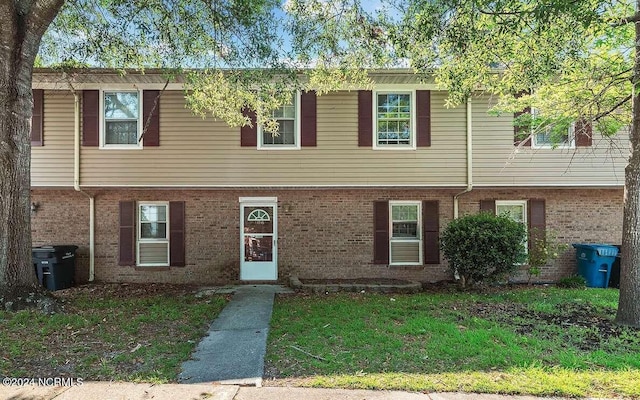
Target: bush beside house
point(483, 247)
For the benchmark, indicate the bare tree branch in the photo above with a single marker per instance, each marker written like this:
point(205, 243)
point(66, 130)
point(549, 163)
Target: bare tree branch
point(153, 109)
point(612, 109)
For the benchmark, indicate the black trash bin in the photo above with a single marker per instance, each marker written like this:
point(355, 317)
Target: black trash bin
point(55, 265)
point(614, 281)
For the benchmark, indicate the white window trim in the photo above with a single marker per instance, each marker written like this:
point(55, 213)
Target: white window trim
point(569, 144)
point(412, 128)
point(106, 146)
point(524, 205)
point(140, 240)
point(261, 218)
point(297, 134)
point(419, 232)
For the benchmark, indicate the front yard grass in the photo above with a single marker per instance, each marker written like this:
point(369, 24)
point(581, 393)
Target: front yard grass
point(115, 332)
point(541, 341)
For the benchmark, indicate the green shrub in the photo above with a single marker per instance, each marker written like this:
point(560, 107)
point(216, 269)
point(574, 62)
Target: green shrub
point(572, 282)
point(483, 247)
point(545, 248)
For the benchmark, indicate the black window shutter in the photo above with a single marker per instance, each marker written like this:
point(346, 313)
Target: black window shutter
point(249, 134)
point(488, 206)
point(431, 231)
point(151, 117)
point(308, 122)
point(423, 118)
point(37, 118)
point(90, 118)
point(176, 234)
point(365, 119)
point(381, 232)
point(127, 239)
point(537, 221)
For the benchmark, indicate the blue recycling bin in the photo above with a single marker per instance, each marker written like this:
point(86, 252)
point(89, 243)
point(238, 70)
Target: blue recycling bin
point(594, 263)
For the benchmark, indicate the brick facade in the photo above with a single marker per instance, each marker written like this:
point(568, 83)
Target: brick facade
point(62, 217)
point(573, 215)
point(324, 233)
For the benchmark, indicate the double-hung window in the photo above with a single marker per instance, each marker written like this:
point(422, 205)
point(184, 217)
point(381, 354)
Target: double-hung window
point(288, 120)
point(394, 120)
point(405, 244)
point(120, 119)
point(153, 234)
point(516, 210)
point(547, 137)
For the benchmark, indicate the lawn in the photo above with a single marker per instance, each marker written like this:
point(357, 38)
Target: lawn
point(108, 332)
point(541, 341)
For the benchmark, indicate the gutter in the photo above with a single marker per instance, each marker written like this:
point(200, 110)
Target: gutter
point(76, 183)
point(469, 159)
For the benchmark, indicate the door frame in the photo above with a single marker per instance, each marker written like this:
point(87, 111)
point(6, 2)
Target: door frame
point(259, 202)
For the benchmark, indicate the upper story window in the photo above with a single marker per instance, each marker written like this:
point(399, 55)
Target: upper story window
point(121, 122)
point(394, 120)
point(288, 135)
point(547, 137)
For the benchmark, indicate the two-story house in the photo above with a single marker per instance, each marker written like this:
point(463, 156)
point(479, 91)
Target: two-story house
point(358, 183)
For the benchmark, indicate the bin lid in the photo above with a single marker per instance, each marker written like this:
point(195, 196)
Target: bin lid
point(42, 249)
point(603, 250)
point(65, 247)
point(50, 251)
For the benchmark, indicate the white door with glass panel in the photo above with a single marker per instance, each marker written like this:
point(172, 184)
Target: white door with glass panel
point(258, 239)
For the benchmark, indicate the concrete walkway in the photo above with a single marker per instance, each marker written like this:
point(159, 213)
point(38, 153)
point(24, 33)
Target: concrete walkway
point(234, 348)
point(145, 391)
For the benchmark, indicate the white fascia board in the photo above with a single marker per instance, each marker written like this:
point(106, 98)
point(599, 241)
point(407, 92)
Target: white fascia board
point(107, 86)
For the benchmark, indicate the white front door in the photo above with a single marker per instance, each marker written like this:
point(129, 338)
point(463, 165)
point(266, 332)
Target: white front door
point(258, 239)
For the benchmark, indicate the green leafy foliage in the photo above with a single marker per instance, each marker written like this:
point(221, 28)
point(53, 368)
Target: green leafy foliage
point(572, 282)
point(572, 59)
point(231, 54)
point(166, 34)
point(544, 249)
point(483, 247)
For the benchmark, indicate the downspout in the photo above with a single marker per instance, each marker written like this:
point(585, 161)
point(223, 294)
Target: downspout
point(76, 183)
point(469, 159)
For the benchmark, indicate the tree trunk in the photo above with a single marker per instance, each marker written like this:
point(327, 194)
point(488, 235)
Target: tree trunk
point(22, 24)
point(15, 232)
point(629, 304)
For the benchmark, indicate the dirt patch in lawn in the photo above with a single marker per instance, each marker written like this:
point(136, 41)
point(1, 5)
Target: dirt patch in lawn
point(108, 332)
point(126, 290)
point(355, 281)
point(595, 326)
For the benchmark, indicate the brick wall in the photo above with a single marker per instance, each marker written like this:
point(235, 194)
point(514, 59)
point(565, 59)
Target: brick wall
point(573, 215)
point(326, 233)
point(63, 218)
